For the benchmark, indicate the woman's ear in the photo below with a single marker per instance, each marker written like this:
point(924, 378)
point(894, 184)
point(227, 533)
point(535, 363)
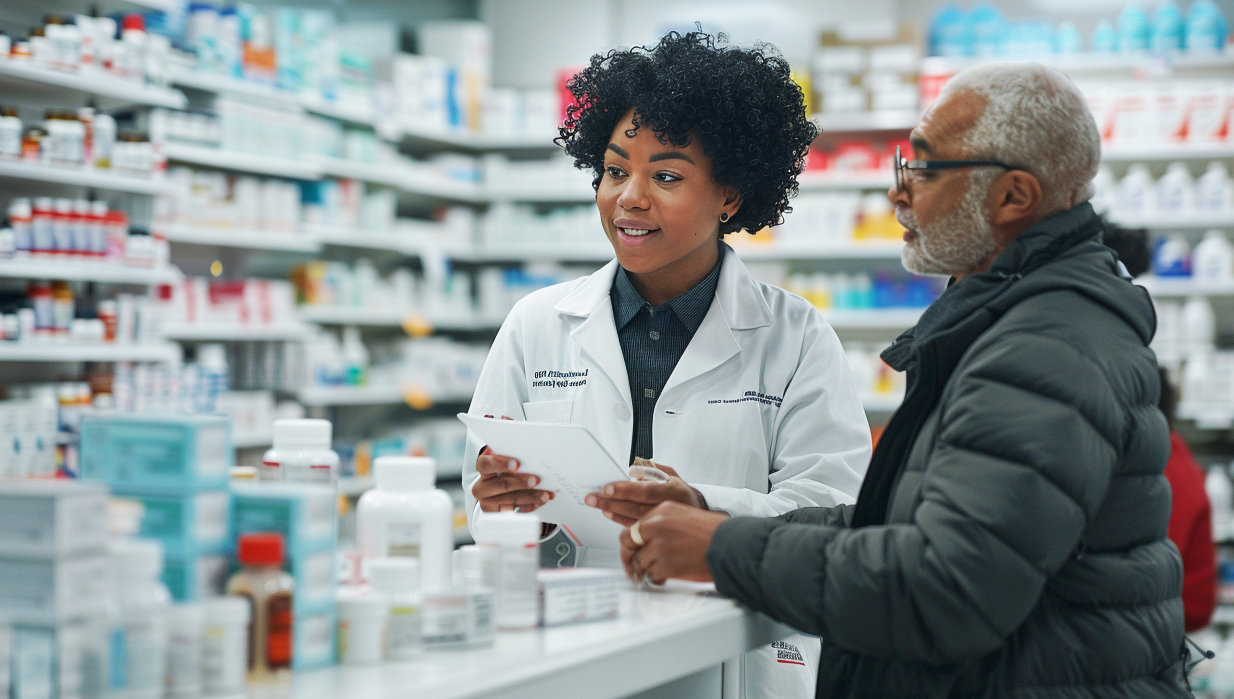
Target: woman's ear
point(732, 201)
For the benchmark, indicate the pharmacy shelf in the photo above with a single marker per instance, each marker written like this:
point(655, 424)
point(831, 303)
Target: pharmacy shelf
point(17, 76)
point(1167, 152)
point(1088, 63)
point(252, 440)
point(183, 332)
point(223, 85)
point(827, 181)
point(48, 352)
point(238, 238)
point(429, 139)
point(74, 271)
point(881, 403)
point(873, 318)
point(390, 175)
point(360, 238)
point(436, 187)
point(563, 193)
point(344, 315)
point(334, 109)
point(880, 250)
point(242, 162)
point(1191, 221)
point(1208, 417)
point(593, 252)
point(589, 251)
point(457, 323)
point(355, 486)
point(861, 122)
point(326, 396)
point(81, 177)
point(1185, 286)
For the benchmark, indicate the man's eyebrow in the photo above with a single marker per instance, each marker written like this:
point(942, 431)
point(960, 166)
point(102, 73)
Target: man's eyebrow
point(671, 155)
point(618, 150)
point(920, 145)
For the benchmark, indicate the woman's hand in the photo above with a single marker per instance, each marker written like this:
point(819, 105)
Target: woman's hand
point(501, 488)
point(625, 502)
point(671, 542)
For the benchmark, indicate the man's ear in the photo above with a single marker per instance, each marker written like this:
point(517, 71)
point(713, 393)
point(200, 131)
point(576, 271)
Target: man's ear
point(1014, 197)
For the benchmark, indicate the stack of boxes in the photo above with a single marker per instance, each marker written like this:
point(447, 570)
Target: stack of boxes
point(177, 467)
point(306, 516)
point(54, 587)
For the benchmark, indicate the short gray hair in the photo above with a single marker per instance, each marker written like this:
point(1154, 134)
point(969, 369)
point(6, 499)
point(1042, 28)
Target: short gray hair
point(1034, 118)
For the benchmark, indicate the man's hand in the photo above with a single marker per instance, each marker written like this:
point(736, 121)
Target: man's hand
point(501, 488)
point(675, 539)
point(625, 502)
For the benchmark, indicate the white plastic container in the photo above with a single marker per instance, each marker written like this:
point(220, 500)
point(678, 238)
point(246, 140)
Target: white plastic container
point(1134, 192)
point(1221, 495)
point(1212, 260)
point(1199, 325)
point(405, 516)
point(397, 580)
point(362, 623)
point(1214, 192)
point(224, 656)
point(301, 453)
point(1175, 191)
point(516, 538)
point(185, 632)
point(137, 616)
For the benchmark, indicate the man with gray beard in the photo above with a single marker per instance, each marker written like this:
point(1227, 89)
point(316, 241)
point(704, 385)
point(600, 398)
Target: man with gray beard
point(1010, 535)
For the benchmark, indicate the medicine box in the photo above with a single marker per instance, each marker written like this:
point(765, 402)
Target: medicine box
point(33, 664)
point(313, 640)
point(315, 574)
point(78, 658)
point(303, 514)
point(46, 591)
point(6, 654)
point(571, 595)
point(184, 524)
point(47, 518)
point(157, 453)
point(195, 576)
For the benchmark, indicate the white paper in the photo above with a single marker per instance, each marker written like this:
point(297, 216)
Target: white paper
point(570, 464)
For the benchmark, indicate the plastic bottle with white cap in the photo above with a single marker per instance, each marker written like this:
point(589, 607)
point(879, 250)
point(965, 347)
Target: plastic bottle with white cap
point(301, 453)
point(185, 633)
point(225, 645)
point(362, 627)
point(406, 516)
point(516, 538)
point(137, 616)
point(397, 580)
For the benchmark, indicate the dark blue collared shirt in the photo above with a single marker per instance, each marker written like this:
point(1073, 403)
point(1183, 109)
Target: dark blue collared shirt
point(653, 338)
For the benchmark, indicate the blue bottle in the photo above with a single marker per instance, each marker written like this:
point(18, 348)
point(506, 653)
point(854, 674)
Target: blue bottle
point(1067, 39)
point(988, 30)
point(1206, 27)
point(950, 33)
point(1167, 28)
point(1105, 39)
point(1132, 29)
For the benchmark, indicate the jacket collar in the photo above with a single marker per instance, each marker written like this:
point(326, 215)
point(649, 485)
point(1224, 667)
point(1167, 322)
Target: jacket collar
point(737, 294)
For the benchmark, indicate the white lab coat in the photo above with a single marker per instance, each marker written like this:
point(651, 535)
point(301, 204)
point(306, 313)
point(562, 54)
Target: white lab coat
point(761, 413)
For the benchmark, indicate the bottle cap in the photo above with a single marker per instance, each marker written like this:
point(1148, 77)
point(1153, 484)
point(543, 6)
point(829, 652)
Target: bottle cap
point(302, 433)
point(510, 528)
point(393, 575)
point(264, 549)
point(405, 472)
point(134, 21)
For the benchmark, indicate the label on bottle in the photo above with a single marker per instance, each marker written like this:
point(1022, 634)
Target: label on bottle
point(279, 623)
point(446, 620)
point(403, 539)
point(137, 656)
point(404, 629)
point(250, 632)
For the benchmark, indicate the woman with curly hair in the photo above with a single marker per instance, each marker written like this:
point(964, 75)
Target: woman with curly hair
point(676, 353)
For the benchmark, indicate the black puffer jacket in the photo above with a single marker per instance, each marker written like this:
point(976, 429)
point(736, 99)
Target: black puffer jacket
point(1010, 539)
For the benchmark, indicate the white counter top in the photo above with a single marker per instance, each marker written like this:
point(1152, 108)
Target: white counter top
point(662, 635)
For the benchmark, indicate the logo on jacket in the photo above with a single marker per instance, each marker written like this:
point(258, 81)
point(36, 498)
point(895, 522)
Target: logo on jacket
point(750, 396)
point(788, 653)
point(551, 378)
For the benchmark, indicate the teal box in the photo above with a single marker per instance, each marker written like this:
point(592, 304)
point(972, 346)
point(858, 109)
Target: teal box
point(315, 575)
point(184, 524)
point(313, 640)
point(196, 576)
point(157, 453)
point(304, 514)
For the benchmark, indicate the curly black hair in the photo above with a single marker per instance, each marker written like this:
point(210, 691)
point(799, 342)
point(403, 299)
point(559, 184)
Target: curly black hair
point(742, 105)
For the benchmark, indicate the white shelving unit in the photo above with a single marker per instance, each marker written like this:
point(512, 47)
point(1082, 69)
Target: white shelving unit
point(1154, 65)
point(1116, 153)
point(219, 84)
point(82, 177)
point(477, 142)
point(18, 75)
point(285, 331)
point(389, 175)
point(1191, 221)
point(880, 250)
point(75, 271)
point(329, 396)
point(49, 352)
point(389, 241)
point(1185, 286)
point(243, 162)
point(858, 122)
point(252, 440)
point(343, 315)
point(1211, 417)
point(873, 318)
point(830, 181)
point(239, 238)
point(881, 403)
point(581, 193)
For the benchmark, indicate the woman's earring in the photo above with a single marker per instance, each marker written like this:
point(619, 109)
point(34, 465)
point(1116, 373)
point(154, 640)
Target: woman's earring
point(723, 218)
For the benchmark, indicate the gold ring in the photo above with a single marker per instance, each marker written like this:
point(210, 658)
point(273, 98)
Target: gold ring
point(635, 536)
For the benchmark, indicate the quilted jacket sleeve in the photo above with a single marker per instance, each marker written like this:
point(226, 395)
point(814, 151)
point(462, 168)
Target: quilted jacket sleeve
point(1022, 459)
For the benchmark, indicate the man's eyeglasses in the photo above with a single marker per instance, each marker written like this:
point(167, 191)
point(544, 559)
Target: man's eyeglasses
point(903, 167)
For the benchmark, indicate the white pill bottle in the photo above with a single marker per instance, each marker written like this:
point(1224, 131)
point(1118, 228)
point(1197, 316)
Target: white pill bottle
point(515, 537)
point(406, 516)
point(301, 453)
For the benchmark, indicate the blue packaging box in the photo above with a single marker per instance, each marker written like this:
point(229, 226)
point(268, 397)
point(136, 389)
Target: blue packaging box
point(313, 639)
point(196, 576)
point(306, 515)
point(185, 524)
point(157, 453)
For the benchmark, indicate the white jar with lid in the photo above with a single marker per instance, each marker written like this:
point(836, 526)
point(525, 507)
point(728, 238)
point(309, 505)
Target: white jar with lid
point(185, 632)
point(225, 638)
point(398, 581)
point(362, 627)
point(405, 516)
point(137, 616)
point(515, 536)
point(301, 453)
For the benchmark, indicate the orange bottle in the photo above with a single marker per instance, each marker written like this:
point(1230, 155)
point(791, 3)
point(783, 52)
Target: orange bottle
point(268, 589)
